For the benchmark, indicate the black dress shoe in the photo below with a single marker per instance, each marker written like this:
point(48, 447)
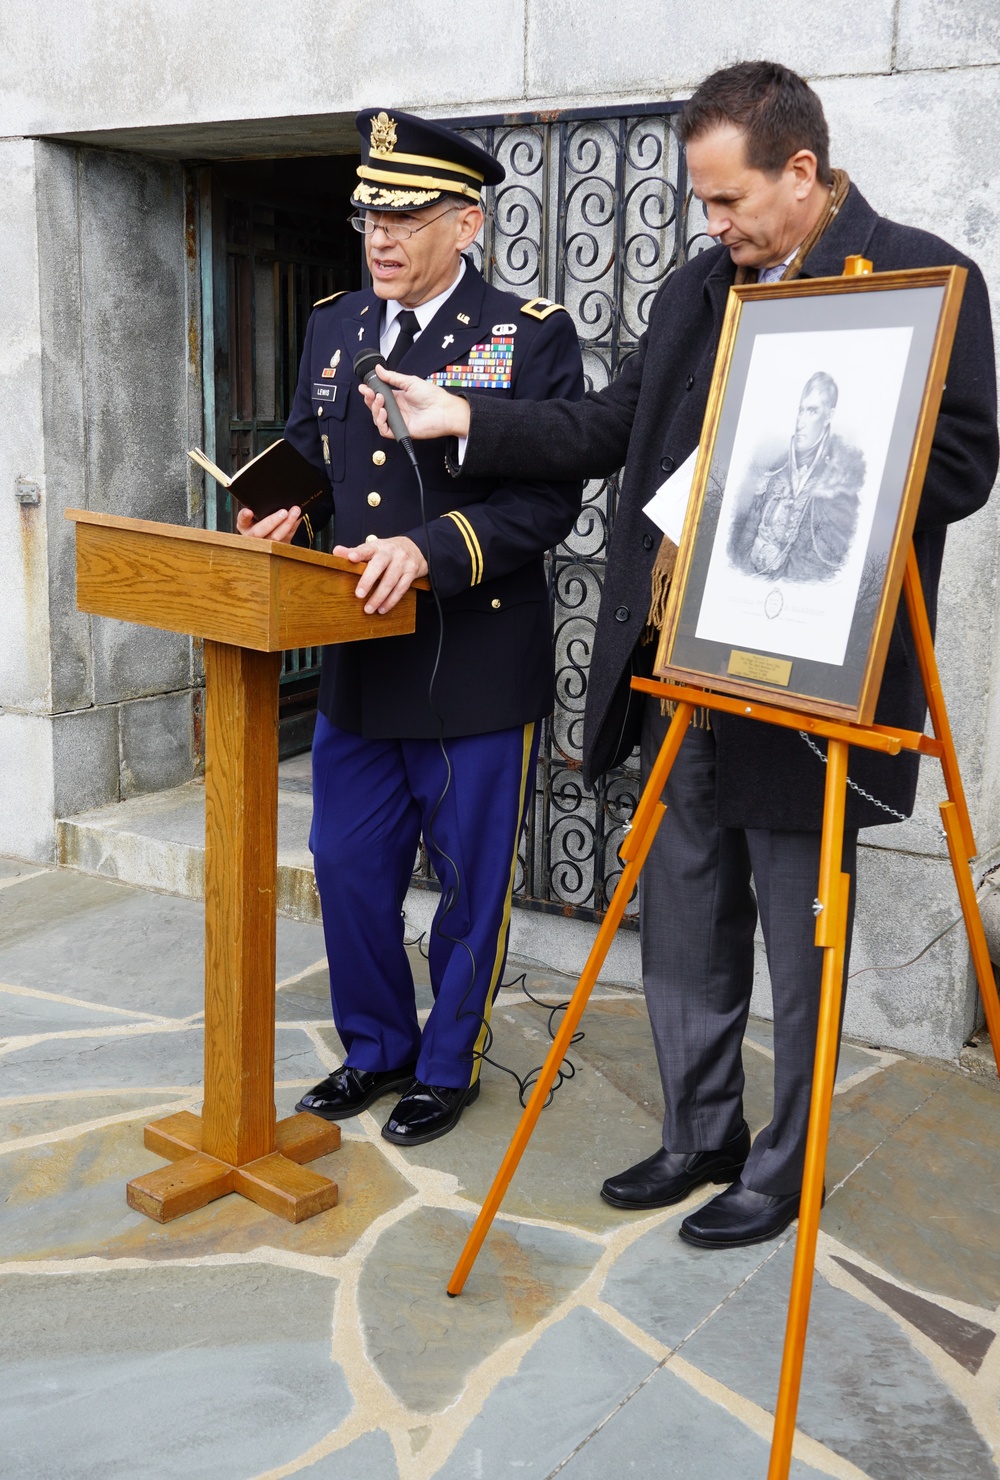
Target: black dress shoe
point(349, 1091)
point(427, 1111)
point(668, 1176)
point(739, 1216)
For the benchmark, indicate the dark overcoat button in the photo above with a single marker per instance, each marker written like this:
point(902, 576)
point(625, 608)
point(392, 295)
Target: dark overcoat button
point(622, 614)
point(690, 381)
point(647, 542)
point(667, 464)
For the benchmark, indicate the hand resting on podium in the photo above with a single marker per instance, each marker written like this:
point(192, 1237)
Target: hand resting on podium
point(393, 564)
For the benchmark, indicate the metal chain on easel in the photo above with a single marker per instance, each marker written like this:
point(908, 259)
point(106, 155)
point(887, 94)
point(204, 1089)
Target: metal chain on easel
point(985, 886)
point(938, 833)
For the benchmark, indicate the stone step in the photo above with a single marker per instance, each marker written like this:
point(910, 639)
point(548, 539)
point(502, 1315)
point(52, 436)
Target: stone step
point(158, 842)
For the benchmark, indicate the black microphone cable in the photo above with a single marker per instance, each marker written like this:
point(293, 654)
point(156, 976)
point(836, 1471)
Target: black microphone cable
point(366, 365)
point(567, 1069)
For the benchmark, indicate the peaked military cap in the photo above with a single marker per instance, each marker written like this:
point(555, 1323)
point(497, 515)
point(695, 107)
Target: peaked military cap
point(408, 163)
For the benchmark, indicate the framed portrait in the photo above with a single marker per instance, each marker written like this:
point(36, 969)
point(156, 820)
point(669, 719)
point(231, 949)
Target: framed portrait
point(812, 458)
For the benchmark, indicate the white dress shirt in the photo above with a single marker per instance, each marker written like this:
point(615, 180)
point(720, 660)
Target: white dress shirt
point(424, 312)
point(775, 274)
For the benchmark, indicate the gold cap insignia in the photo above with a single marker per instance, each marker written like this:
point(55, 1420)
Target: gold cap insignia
point(383, 134)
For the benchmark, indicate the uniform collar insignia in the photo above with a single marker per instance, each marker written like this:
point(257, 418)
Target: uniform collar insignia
point(383, 138)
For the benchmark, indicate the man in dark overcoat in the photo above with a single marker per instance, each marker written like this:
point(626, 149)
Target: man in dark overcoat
point(744, 800)
point(434, 733)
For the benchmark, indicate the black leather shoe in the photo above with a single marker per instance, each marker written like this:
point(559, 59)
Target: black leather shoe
point(349, 1091)
point(427, 1111)
point(668, 1176)
point(739, 1216)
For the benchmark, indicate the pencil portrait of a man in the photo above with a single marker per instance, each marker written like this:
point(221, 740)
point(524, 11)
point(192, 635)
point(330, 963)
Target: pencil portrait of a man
point(802, 517)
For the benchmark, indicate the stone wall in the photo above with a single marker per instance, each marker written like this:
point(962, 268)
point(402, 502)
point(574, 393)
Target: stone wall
point(101, 395)
point(127, 67)
point(923, 145)
point(25, 738)
point(98, 375)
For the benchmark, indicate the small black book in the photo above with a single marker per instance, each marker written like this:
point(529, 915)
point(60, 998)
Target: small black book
point(275, 479)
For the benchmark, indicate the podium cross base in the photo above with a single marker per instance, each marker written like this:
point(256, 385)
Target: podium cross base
point(278, 1181)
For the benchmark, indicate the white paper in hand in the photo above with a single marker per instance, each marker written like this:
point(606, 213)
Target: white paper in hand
point(669, 503)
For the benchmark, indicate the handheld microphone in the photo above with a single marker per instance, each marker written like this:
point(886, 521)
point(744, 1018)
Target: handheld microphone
point(366, 363)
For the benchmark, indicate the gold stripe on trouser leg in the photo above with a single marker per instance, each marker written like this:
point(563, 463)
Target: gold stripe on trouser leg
point(529, 735)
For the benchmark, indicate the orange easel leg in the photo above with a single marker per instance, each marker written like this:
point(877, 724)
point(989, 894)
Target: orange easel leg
point(921, 627)
point(973, 926)
point(831, 932)
point(646, 819)
point(954, 812)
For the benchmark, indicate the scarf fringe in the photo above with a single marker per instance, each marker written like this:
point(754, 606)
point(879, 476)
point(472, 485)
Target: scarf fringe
point(701, 718)
point(663, 571)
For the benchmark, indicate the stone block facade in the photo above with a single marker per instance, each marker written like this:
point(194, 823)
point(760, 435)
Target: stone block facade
point(100, 389)
point(102, 396)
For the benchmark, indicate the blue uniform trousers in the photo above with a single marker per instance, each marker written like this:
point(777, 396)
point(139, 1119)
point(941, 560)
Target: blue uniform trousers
point(371, 801)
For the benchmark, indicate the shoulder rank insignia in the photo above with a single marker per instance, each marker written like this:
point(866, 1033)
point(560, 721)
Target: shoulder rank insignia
point(540, 308)
point(320, 301)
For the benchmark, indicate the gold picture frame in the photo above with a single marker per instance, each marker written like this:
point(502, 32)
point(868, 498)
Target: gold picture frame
point(793, 551)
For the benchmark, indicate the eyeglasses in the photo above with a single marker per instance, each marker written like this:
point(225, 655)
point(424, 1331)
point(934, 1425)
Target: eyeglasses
point(398, 231)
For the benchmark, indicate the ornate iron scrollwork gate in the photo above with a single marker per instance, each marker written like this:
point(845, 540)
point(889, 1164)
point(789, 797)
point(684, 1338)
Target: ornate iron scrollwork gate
point(593, 213)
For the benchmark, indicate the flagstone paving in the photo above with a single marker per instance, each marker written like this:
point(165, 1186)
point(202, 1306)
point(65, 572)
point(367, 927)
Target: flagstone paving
point(232, 1345)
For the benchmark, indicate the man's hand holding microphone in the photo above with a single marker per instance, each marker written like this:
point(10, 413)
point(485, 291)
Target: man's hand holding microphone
point(426, 410)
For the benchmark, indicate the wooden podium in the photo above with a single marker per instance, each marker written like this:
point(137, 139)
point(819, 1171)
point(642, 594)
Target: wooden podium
point(249, 600)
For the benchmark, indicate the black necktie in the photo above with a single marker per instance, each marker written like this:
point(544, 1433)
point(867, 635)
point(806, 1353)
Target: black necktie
point(409, 327)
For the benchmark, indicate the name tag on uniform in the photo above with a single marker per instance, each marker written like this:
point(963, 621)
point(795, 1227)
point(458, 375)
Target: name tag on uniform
point(324, 392)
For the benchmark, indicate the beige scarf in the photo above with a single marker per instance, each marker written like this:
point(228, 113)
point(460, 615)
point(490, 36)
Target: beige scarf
point(666, 556)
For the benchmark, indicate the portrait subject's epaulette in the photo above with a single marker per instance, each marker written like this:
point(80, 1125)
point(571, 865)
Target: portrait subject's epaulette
point(320, 301)
point(540, 308)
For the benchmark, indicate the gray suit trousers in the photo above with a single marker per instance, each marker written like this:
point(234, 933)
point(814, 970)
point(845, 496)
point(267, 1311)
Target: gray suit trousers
point(700, 893)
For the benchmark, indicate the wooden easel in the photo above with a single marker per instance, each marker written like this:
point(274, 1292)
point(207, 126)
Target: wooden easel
point(831, 933)
point(248, 600)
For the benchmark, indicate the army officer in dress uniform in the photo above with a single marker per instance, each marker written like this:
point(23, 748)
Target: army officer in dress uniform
point(435, 732)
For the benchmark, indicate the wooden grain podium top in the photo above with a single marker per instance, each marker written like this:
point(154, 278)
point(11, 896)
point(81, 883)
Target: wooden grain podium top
point(250, 593)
